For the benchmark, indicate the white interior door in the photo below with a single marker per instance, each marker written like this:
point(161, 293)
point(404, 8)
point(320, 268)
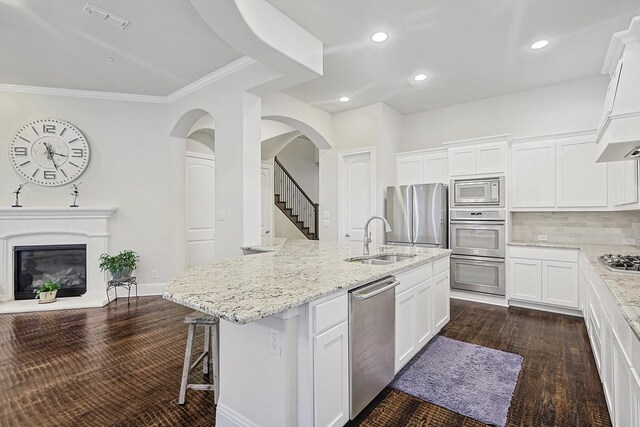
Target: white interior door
point(267, 202)
point(356, 199)
point(200, 208)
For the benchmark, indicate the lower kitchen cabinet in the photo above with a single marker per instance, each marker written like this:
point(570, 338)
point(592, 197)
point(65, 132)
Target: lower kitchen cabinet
point(560, 283)
point(534, 277)
point(635, 397)
point(424, 321)
point(331, 373)
point(525, 279)
point(406, 327)
point(621, 384)
point(440, 290)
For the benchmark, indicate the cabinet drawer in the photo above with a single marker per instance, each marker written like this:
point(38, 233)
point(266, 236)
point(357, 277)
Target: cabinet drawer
point(330, 313)
point(544, 254)
point(441, 265)
point(413, 277)
point(596, 346)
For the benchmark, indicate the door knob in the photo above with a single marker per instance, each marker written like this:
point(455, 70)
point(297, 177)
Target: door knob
point(347, 235)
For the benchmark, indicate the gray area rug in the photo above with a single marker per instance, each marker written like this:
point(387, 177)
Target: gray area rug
point(469, 379)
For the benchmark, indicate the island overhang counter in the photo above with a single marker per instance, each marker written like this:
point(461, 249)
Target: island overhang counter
point(284, 318)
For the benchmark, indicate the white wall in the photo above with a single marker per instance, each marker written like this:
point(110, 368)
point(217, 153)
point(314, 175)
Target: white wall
point(283, 227)
point(563, 107)
point(134, 167)
point(299, 157)
point(377, 126)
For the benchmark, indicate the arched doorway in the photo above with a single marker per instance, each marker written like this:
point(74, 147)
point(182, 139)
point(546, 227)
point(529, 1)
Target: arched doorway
point(197, 129)
point(292, 201)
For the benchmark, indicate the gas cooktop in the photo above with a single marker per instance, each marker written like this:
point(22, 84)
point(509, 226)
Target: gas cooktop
point(621, 263)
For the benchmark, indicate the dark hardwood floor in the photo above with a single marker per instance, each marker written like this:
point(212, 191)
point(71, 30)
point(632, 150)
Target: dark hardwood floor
point(121, 366)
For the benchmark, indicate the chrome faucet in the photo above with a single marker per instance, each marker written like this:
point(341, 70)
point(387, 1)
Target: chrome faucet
point(367, 234)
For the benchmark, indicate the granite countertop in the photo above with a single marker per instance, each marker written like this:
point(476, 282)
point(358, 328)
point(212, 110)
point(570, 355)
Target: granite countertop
point(293, 272)
point(625, 287)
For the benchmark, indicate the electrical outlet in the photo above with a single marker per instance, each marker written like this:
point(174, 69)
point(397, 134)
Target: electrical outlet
point(325, 223)
point(221, 215)
point(628, 241)
point(274, 342)
point(154, 274)
point(325, 215)
point(543, 237)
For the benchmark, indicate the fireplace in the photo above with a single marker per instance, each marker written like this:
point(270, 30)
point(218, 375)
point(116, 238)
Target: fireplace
point(34, 265)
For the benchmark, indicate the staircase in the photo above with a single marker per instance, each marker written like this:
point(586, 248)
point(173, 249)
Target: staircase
point(292, 201)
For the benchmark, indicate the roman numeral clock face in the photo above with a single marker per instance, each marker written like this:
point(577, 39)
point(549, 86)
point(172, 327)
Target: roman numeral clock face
point(49, 152)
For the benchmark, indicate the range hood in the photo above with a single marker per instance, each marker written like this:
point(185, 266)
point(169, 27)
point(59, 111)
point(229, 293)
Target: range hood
point(619, 133)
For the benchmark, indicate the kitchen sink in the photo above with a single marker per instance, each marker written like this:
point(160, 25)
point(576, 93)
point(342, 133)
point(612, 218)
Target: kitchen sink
point(380, 259)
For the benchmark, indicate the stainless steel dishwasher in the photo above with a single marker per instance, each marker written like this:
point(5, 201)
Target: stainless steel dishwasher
point(372, 312)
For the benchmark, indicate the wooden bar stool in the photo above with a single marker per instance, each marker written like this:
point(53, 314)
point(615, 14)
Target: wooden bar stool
point(209, 357)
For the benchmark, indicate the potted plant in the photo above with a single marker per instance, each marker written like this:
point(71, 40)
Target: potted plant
point(46, 292)
point(120, 266)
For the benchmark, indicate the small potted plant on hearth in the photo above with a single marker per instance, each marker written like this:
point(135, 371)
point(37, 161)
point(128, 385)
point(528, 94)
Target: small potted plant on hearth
point(46, 292)
point(120, 266)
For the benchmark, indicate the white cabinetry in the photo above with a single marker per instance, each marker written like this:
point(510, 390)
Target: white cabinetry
point(580, 180)
point(616, 349)
point(623, 183)
point(525, 279)
point(424, 167)
point(619, 131)
point(560, 172)
point(441, 288)
point(536, 276)
point(478, 159)
point(330, 361)
point(405, 327)
point(533, 182)
point(422, 308)
point(409, 170)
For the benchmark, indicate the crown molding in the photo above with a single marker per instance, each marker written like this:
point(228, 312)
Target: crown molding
point(76, 93)
point(589, 133)
point(616, 46)
point(483, 140)
point(218, 74)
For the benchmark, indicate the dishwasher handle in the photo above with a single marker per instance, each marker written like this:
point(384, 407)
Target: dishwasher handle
point(383, 287)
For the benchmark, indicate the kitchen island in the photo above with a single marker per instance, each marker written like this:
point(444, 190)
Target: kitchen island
point(284, 324)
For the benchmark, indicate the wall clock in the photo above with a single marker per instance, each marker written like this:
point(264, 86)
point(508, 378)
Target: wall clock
point(49, 152)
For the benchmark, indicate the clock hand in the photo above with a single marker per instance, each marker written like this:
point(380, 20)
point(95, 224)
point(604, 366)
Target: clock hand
point(50, 155)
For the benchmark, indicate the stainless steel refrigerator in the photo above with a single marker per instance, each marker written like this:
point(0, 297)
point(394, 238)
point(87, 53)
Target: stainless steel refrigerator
point(418, 215)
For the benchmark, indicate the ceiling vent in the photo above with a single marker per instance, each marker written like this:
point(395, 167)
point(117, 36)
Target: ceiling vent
point(104, 16)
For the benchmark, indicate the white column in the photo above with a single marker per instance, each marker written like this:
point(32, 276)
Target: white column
point(237, 174)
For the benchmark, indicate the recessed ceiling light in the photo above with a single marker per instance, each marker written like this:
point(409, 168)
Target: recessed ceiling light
point(420, 77)
point(379, 37)
point(539, 44)
point(344, 99)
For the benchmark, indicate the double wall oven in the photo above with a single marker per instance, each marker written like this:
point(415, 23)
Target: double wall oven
point(477, 236)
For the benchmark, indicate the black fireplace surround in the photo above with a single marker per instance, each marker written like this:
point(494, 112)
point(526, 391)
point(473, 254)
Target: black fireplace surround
point(34, 265)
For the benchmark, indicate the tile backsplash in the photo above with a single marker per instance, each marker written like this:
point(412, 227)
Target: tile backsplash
point(580, 227)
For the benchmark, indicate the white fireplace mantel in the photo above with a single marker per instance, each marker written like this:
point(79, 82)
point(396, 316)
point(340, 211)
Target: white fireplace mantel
point(54, 226)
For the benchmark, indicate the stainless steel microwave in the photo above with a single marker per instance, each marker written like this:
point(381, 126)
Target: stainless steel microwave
point(477, 192)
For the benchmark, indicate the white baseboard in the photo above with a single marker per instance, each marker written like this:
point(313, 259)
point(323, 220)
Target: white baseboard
point(477, 297)
point(227, 417)
point(144, 290)
point(549, 308)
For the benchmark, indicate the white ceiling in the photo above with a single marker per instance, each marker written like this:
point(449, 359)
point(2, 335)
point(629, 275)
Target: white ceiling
point(470, 49)
point(52, 43)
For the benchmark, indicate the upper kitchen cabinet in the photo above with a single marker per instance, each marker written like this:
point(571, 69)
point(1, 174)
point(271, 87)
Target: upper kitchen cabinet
point(580, 181)
point(478, 157)
point(533, 175)
point(619, 132)
point(422, 167)
point(557, 172)
point(623, 184)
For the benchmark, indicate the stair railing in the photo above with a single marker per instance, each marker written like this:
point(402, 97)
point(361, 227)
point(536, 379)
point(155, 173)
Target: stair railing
point(295, 199)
